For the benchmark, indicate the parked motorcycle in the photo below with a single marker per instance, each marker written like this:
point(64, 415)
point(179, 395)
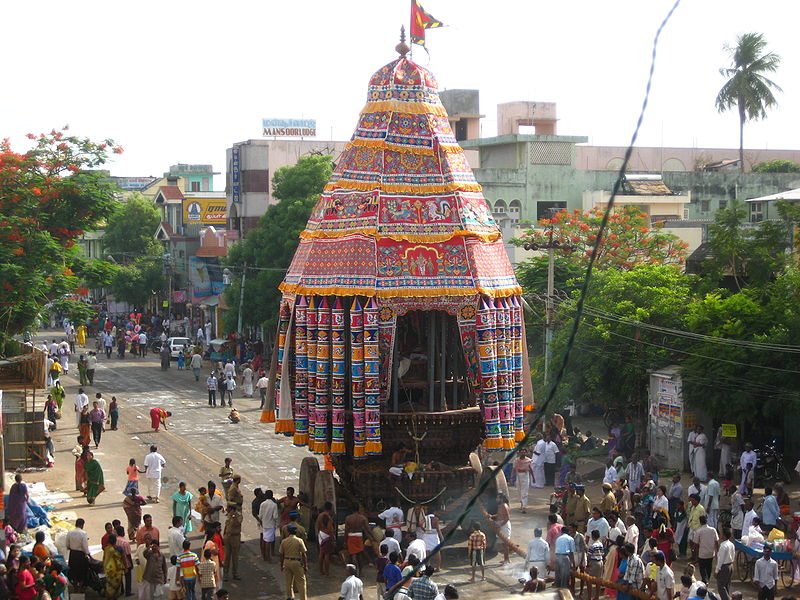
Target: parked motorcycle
point(770, 466)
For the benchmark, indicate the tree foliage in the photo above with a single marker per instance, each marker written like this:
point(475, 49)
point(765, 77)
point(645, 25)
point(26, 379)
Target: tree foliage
point(137, 282)
point(745, 384)
point(130, 229)
point(268, 249)
point(609, 363)
point(777, 166)
point(747, 89)
point(754, 255)
point(629, 239)
point(49, 195)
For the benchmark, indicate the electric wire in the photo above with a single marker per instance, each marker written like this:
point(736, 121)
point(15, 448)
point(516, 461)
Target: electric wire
point(584, 290)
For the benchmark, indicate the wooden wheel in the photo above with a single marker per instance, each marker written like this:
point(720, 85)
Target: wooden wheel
point(475, 463)
point(309, 467)
point(742, 566)
point(786, 573)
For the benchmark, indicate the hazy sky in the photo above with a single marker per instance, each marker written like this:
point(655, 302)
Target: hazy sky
point(178, 81)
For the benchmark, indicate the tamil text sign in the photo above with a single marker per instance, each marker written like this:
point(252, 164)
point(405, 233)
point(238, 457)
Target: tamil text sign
point(236, 175)
point(289, 127)
point(205, 211)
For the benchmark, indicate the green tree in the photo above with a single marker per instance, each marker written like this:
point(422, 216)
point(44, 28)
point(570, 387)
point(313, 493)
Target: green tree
point(613, 351)
point(129, 240)
point(777, 166)
point(130, 229)
point(743, 380)
point(49, 195)
point(94, 273)
point(747, 88)
point(268, 249)
point(137, 282)
point(746, 255)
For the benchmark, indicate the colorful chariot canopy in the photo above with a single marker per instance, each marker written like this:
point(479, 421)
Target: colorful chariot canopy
point(402, 215)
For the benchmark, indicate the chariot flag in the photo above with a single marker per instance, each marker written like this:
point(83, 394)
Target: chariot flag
point(420, 21)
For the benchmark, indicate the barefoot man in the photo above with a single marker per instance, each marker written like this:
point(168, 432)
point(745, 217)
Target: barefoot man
point(356, 527)
point(503, 524)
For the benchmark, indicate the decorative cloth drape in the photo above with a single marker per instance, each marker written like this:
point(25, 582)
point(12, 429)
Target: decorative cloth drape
point(322, 422)
point(301, 373)
point(311, 387)
point(285, 422)
point(372, 384)
point(357, 378)
point(338, 377)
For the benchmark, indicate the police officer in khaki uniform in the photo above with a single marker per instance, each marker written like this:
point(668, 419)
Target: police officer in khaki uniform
point(232, 536)
point(294, 564)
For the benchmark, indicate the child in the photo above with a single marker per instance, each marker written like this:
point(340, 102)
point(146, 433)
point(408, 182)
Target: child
point(477, 546)
point(207, 573)
point(181, 361)
point(174, 583)
point(380, 565)
point(133, 476)
point(234, 416)
point(113, 413)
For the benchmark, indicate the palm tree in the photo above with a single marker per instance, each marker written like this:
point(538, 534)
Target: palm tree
point(747, 89)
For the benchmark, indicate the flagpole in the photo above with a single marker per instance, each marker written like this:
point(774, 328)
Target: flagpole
point(410, 29)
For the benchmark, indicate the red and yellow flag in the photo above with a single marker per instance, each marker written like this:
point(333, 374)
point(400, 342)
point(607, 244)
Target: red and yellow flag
point(420, 21)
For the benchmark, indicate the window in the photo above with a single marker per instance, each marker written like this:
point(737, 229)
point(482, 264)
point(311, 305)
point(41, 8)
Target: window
point(543, 208)
point(461, 130)
point(500, 207)
point(705, 205)
point(514, 208)
point(723, 204)
point(195, 186)
point(756, 212)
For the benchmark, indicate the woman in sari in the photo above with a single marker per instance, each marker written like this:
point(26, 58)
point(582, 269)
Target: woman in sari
point(132, 505)
point(623, 566)
point(158, 417)
point(113, 567)
point(611, 568)
point(182, 506)
point(94, 478)
point(84, 427)
point(17, 507)
point(83, 366)
point(666, 539)
point(79, 452)
point(50, 409)
point(58, 393)
point(81, 335)
point(211, 545)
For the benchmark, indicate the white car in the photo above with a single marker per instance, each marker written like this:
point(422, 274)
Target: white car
point(178, 344)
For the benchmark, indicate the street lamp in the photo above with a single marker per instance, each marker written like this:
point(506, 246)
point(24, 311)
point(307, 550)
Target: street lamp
point(551, 245)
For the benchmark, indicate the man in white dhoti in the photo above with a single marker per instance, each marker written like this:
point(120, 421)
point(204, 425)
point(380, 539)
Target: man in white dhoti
point(538, 462)
point(697, 453)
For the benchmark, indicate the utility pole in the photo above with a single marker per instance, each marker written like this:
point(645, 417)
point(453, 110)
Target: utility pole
point(551, 245)
point(241, 300)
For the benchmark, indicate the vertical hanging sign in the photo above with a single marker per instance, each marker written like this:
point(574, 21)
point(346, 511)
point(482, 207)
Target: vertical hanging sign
point(236, 175)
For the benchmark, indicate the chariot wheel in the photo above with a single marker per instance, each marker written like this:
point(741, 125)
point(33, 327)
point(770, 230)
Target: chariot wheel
point(786, 573)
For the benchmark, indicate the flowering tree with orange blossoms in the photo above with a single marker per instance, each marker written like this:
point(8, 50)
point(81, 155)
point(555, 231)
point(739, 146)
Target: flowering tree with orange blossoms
point(49, 195)
point(629, 239)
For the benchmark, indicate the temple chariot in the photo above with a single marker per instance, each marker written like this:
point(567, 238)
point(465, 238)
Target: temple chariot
point(401, 340)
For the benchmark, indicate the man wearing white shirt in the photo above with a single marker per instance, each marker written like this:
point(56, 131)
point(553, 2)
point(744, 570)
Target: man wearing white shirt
point(176, 537)
point(610, 475)
point(538, 462)
point(154, 463)
point(268, 516)
point(725, 556)
point(632, 535)
point(712, 499)
point(81, 401)
point(701, 490)
point(352, 587)
point(665, 578)
point(261, 385)
point(391, 542)
point(143, 348)
point(538, 553)
point(393, 518)
point(77, 542)
point(747, 461)
point(417, 547)
point(749, 515)
point(766, 575)
point(550, 451)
